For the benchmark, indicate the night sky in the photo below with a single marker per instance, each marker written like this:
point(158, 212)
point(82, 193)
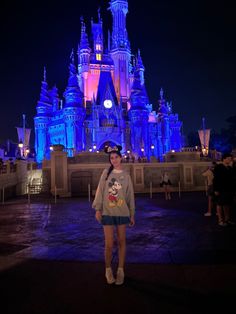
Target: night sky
point(187, 47)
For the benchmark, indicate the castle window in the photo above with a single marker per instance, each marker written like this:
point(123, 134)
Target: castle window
point(98, 47)
point(98, 57)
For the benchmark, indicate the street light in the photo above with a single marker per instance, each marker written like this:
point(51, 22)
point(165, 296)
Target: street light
point(24, 151)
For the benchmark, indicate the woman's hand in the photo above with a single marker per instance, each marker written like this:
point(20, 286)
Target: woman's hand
point(98, 215)
point(132, 221)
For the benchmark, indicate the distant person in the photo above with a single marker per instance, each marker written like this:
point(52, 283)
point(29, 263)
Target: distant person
point(224, 189)
point(166, 184)
point(209, 175)
point(234, 178)
point(115, 208)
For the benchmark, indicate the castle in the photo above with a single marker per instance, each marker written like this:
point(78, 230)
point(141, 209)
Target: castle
point(105, 101)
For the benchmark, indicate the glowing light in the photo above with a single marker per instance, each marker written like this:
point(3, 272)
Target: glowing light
point(98, 57)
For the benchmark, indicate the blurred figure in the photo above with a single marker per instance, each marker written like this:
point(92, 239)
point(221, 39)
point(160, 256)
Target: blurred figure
point(166, 184)
point(224, 189)
point(209, 175)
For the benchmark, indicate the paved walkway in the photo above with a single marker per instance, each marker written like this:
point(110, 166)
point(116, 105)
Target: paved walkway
point(178, 261)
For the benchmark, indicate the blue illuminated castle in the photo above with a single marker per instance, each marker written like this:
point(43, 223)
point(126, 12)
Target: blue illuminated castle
point(105, 101)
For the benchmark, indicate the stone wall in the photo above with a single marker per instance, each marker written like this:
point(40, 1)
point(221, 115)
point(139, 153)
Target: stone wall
point(65, 178)
point(82, 178)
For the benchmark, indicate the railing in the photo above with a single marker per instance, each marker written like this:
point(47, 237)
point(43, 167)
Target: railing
point(3, 169)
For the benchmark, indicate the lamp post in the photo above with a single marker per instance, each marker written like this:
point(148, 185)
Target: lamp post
point(20, 145)
point(152, 148)
point(24, 151)
point(142, 150)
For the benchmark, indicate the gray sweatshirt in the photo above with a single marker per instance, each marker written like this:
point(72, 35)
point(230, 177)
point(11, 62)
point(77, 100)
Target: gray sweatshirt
point(115, 196)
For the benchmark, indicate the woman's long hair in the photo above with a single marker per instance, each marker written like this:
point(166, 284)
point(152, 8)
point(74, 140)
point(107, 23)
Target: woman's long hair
point(111, 166)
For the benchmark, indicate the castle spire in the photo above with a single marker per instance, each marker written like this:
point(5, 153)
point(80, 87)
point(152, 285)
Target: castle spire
point(119, 9)
point(44, 105)
point(138, 96)
point(99, 15)
point(44, 95)
point(44, 74)
point(140, 61)
point(73, 95)
point(163, 107)
point(84, 43)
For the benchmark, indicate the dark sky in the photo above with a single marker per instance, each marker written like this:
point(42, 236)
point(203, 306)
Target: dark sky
point(187, 47)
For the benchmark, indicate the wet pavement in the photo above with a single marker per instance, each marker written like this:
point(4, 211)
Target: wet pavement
point(178, 261)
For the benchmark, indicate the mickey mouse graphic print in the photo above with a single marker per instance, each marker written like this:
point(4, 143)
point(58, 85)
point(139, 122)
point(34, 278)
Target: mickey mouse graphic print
point(115, 198)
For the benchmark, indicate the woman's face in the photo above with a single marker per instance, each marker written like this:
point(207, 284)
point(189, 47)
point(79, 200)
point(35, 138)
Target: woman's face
point(115, 160)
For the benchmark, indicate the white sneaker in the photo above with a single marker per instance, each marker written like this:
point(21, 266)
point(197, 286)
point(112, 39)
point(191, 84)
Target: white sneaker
point(109, 276)
point(222, 224)
point(120, 276)
point(207, 214)
point(230, 222)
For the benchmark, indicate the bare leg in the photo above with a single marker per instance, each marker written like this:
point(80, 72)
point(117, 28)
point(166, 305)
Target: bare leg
point(121, 235)
point(226, 212)
point(209, 204)
point(166, 194)
point(219, 213)
point(109, 238)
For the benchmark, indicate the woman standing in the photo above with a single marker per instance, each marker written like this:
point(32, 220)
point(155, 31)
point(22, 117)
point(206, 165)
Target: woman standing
point(166, 184)
point(115, 209)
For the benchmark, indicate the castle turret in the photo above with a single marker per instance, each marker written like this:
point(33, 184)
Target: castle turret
point(84, 52)
point(97, 37)
point(73, 111)
point(120, 49)
point(140, 67)
point(163, 113)
point(54, 98)
point(41, 121)
point(138, 114)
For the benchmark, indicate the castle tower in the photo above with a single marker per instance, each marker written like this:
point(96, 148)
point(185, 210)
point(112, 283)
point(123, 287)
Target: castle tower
point(54, 98)
point(84, 52)
point(41, 121)
point(97, 34)
point(165, 122)
point(138, 114)
point(120, 49)
point(73, 112)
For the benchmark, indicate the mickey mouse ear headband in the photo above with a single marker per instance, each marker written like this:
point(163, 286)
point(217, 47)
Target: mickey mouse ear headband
point(115, 149)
